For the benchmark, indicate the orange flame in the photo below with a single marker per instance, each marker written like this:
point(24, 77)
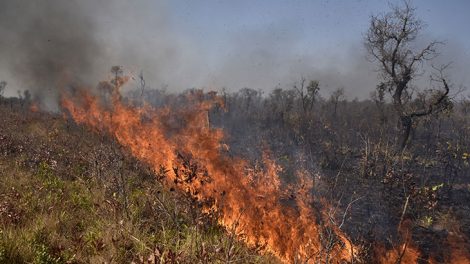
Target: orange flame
point(459, 252)
point(192, 154)
point(34, 107)
point(180, 145)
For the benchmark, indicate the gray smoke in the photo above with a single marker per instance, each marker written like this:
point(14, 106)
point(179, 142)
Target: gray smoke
point(47, 44)
point(43, 42)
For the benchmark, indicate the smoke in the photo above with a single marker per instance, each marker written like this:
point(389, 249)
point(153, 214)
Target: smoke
point(46, 45)
point(43, 42)
point(270, 57)
point(51, 44)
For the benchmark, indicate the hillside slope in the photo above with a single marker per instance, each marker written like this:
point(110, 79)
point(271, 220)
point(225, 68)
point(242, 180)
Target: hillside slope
point(68, 195)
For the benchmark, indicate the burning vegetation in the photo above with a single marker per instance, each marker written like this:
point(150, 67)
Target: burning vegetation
point(283, 216)
point(148, 176)
point(186, 152)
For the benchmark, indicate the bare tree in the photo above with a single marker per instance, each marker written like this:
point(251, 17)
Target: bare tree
point(142, 83)
point(335, 98)
point(390, 41)
point(308, 94)
point(378, 96)
point(117, 71)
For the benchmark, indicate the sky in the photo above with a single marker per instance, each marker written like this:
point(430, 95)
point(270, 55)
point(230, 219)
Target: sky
point(216, 44)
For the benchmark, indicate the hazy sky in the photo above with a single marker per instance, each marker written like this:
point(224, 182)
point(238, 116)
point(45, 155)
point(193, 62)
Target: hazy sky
point(263, 43)
point(258, 44)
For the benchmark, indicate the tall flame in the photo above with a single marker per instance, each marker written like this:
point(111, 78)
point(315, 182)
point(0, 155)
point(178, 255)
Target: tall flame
point(186, 152)
point(192, 157)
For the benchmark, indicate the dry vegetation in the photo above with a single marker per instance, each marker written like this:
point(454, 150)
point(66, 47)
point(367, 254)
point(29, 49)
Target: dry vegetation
point(70, 196)
point(355, 146)
point(391, 174)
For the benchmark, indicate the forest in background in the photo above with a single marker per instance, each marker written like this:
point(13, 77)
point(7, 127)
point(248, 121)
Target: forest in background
point(393, 168)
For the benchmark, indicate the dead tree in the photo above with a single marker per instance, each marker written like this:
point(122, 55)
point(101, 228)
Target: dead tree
point(335, 98)
point(307, 94)
point(390, 41)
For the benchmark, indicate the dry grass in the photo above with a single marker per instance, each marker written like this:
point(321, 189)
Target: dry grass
point(71, 196)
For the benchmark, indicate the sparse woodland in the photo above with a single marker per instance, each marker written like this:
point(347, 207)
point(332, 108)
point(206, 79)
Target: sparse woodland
point(394, 168)
point(353, 149)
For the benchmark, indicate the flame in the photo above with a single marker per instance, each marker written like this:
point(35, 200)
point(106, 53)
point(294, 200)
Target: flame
point(459, 245)
point(186, 153)
point(405, 253)
point(180, 143)
point(408, 253)
point(34, 107)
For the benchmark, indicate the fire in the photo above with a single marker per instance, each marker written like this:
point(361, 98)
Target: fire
point(34, 107)
point(180, 143)
point(404, 253)
point(186, 153)
point(459, 245)
point(407, 253)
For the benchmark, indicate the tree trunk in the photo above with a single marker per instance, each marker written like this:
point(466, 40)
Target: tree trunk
point(406, 123)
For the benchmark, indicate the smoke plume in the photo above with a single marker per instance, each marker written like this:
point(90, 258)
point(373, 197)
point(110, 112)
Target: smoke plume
point(43, 42)
point(47, 44)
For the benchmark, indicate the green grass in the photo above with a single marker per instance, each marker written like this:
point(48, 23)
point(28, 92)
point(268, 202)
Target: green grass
point(70, 196)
